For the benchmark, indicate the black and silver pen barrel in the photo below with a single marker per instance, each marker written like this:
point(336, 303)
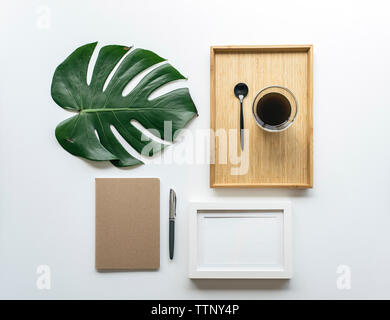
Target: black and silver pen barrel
point(172, 215)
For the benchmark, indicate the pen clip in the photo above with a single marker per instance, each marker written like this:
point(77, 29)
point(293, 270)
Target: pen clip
point(175, 204)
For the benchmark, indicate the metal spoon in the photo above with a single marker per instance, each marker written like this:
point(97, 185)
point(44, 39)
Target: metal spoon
point(240, 91)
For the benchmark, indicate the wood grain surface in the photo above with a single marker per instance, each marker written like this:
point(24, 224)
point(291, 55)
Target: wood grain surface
point(281, 159)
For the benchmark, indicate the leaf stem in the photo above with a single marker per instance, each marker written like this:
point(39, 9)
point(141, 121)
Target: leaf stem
point(111, 110)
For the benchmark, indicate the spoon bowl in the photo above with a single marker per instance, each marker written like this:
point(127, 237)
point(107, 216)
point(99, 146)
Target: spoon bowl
point(241, 89)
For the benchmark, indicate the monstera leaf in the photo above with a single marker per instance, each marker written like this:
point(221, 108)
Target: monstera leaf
point(101, 107)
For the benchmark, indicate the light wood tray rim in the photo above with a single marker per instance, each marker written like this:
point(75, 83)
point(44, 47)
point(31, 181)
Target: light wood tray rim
point(306, 48)
point(262, 185)
point(262, 48)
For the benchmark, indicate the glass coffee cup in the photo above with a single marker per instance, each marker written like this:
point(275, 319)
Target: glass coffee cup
point(275, 108)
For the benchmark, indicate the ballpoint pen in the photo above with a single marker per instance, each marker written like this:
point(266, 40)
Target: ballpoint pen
point(172, 215)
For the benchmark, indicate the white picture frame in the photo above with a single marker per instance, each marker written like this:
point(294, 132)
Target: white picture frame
point(255, 246)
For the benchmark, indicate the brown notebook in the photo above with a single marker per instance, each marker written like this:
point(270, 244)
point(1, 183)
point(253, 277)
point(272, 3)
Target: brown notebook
point(127, 224)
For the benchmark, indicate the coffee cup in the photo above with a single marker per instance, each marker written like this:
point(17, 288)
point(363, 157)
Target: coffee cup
point(275, 108)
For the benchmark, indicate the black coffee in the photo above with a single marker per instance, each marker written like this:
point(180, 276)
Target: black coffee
point(273, 109)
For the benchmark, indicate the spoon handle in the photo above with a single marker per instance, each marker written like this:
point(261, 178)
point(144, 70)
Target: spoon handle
point(241, 126)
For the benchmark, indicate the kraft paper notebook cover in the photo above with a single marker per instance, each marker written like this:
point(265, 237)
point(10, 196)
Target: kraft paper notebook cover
point(127, 224)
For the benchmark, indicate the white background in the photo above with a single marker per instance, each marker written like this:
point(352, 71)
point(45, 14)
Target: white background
point(47, 195)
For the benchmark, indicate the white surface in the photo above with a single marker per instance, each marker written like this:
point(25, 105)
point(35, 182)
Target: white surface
point(239, 240)
point(245, 240)
point(47, 195)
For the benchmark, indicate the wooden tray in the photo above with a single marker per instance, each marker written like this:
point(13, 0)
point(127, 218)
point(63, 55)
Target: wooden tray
point(284, 159)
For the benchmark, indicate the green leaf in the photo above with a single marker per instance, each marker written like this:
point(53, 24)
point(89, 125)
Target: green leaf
point(88, 134)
